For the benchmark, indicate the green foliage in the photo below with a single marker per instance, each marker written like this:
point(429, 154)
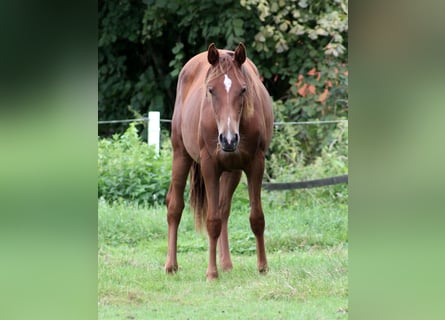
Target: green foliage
point(287, 152)
point(301, 47)
point(129, 169)
point(124, 75)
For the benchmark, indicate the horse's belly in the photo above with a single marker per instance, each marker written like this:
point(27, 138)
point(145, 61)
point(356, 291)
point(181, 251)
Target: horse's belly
point(192, 146)
point(189, 131)
point(190, 125)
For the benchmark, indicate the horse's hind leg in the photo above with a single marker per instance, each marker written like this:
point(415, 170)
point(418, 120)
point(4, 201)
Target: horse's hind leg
point(227, 185)
point(175, 204)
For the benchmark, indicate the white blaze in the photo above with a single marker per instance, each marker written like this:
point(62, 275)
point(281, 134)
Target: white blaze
point(229, 134)
point(227, 83)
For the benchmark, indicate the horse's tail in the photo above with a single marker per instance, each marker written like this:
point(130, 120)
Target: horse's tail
point(198, 198)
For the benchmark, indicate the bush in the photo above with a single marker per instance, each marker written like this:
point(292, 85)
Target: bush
point(287, 163)
point(129, 169)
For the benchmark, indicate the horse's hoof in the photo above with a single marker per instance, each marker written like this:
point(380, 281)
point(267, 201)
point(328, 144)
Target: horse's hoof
point(263, 269)
point(227, 267)
point(211, 275)
point(171, 269)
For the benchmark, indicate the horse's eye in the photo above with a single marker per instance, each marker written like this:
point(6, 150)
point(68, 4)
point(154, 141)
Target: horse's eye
point(243, 90)
point(211, 90)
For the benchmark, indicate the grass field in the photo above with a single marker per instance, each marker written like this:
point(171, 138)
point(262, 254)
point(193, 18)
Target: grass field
point(307, 247)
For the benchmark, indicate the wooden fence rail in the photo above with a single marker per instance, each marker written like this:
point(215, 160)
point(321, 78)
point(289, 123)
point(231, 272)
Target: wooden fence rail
point(306, 184)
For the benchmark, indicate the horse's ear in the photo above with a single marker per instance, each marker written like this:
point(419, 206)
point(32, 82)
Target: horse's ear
point(212, 55)
point(240, 54)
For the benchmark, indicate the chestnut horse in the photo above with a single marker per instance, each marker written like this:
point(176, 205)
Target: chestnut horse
point(222, 125)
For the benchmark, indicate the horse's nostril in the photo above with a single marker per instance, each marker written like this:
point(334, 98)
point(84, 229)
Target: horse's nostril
point(221, 138)
point(236, 138)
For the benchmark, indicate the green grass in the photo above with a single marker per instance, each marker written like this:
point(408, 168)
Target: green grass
point(307, 252)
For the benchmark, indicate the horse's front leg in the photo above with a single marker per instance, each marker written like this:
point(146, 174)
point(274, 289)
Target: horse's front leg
point(175, 204)
point(257, 223)
point(211, 179)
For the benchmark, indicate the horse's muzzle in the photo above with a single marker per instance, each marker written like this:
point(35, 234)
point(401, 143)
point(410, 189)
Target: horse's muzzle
point(228, 144)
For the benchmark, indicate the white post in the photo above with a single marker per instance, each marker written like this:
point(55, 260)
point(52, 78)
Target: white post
point(154, 129)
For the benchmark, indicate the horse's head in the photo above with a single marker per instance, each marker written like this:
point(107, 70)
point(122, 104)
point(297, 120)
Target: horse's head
point(226, 88)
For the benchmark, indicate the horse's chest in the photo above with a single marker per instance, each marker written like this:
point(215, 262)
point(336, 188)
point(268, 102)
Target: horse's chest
point(231, 161)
